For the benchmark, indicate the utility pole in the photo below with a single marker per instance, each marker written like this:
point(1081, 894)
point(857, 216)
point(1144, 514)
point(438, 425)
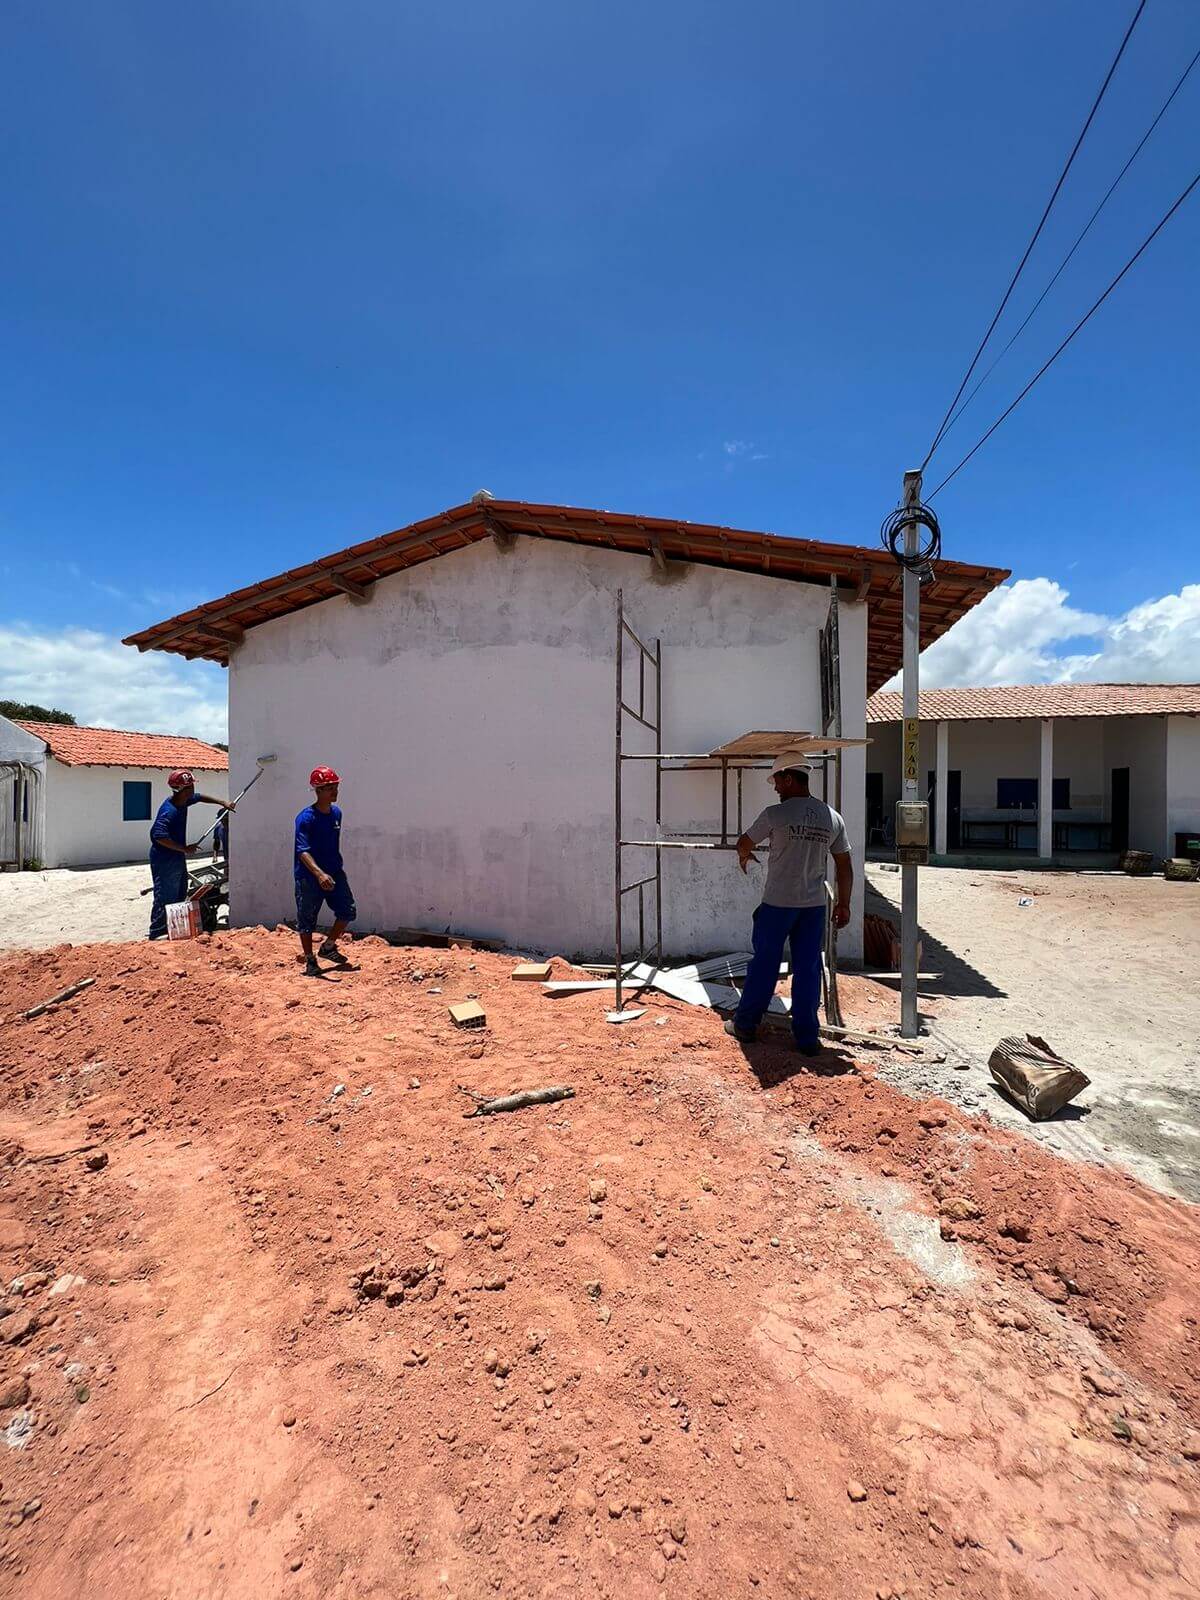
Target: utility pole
point(910, 791)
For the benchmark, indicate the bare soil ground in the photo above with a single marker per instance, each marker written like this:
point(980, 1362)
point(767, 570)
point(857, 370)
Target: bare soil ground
point(283, 1323)
point(1103, 967)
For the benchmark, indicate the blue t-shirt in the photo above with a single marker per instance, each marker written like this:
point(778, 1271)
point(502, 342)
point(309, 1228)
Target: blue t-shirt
point(170, 823)
point(320, 833)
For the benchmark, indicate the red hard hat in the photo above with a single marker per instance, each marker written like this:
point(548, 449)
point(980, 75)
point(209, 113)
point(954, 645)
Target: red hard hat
point(320, 776)
point(180, 780)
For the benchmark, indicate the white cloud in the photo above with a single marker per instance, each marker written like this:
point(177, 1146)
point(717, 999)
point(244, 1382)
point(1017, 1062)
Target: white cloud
point(741, 450)
point(110, 685)
point(1155, 642)
point(1023, 633)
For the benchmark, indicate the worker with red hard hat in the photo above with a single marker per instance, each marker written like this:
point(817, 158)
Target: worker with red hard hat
point(169, 849)
point(320, 876)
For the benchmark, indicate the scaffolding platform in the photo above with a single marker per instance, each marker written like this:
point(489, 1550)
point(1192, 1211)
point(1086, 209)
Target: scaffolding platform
point(748, 752)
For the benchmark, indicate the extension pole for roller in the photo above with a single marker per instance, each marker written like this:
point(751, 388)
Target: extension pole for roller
point(909, 778)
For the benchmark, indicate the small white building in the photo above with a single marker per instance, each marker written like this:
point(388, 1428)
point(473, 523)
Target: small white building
point(460, 674)
point(87, 796)
point(1119, 761)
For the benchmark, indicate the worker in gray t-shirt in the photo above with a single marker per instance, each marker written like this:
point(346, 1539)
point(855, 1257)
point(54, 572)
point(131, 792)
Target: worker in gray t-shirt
point(802, 831)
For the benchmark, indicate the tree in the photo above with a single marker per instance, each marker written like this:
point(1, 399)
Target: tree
point(26, 711)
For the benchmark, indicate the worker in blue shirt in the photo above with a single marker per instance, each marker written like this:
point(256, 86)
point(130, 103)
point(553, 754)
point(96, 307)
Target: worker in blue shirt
point(169, 849)
point(320, 876)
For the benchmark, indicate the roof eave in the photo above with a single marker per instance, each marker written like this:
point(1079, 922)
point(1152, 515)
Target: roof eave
point(210, 631)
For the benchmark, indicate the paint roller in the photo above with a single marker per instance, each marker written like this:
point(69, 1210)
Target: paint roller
point(262, 763)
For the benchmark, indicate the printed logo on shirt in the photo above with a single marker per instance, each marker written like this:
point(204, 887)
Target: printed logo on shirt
point(809, 832)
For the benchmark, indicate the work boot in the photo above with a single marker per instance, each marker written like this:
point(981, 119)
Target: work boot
point(740, 1034)
point(311, 969)
point(808, 1047)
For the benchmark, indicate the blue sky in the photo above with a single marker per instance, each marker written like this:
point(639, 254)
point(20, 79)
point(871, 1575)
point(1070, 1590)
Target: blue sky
point(280, 276)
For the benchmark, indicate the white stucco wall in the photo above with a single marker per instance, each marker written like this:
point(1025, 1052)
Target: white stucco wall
point(1140, 743)
point(84, 812)
point(1183, 778)
point(469, 708)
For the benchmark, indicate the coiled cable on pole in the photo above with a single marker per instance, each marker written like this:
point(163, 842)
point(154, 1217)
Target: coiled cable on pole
point(896, 525)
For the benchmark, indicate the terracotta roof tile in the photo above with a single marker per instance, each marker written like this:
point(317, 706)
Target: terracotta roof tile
point(113, 747)
point(1045, 700)
point(214, 629)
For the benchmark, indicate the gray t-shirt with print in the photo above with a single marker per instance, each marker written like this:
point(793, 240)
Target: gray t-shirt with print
point(802, 831)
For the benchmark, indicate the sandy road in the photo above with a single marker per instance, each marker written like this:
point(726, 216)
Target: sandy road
point(1102, 966)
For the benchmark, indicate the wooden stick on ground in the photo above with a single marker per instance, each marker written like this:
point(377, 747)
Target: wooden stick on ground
point(516, 1102)
point(36, 1011)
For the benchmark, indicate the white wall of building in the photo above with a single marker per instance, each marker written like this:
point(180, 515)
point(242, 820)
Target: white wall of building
point(84, 824)
point(1140, 743)
point(1183, 778)
point(469, 708)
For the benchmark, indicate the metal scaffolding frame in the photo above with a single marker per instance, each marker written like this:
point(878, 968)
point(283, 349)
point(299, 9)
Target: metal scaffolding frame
point(654, 658)
point(649, 659)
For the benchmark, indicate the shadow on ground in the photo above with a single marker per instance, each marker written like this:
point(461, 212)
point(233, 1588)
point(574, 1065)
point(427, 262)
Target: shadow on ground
point(948, 974)
point(773, 1061)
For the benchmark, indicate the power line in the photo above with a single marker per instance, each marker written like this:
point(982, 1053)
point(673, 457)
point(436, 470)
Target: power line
point(1036, 234)
point(1085, 318)
point(1086, 230)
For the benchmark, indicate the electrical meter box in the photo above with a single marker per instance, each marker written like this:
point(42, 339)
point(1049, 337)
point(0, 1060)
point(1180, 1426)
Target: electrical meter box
point(912, 833)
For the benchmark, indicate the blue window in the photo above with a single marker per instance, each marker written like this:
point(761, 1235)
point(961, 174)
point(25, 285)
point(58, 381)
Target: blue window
point(1021, 794)
point(136, 802)
point(1016, 794)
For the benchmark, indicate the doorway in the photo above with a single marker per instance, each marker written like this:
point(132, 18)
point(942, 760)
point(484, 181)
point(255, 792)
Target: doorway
point(874, 801)
point(1119, 809)
point(953, 807)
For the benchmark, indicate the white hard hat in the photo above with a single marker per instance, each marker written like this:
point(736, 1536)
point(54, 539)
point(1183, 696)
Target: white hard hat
point(793, 763)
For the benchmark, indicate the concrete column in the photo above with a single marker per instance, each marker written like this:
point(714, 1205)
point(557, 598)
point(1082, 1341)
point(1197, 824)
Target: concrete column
point(1046, 792)
point(941, 767)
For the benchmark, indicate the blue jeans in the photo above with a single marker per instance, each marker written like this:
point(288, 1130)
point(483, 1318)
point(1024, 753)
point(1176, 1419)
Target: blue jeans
point(775, 926)
point(169, 877)
point(310, 897)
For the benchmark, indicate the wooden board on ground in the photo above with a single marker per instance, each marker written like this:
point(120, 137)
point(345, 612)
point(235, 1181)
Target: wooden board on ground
point(439, 941)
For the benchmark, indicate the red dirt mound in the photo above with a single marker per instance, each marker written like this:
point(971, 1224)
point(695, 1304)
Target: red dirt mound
point(283, 1322)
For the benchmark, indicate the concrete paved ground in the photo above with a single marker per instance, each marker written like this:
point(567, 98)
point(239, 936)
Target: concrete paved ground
point(1100, 965)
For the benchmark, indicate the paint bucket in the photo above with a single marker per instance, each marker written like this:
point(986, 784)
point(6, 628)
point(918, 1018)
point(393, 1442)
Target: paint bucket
point(183, 919)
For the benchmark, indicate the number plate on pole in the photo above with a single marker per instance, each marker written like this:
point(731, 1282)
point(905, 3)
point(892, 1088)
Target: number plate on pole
point(912, 750)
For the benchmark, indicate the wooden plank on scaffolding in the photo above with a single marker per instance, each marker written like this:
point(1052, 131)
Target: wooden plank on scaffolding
point(764, 746)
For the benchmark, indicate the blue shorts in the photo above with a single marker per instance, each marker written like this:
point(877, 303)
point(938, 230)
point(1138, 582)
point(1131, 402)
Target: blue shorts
point(310, 897)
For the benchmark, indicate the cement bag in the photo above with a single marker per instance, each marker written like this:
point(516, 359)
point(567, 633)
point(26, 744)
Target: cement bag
point(1033, 1077)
